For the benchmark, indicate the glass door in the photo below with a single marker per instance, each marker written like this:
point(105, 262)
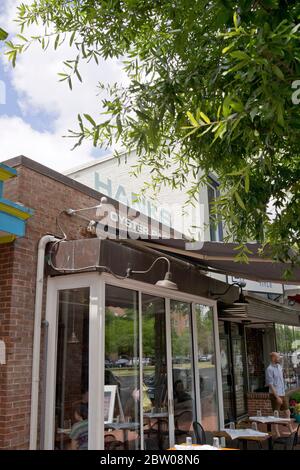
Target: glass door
point(239, 368)
point(206, 366)
point(233, 367)
point(182, 369)
point(155, 377)
point(71, 398)
point(226, 372)
point(122, 395)
point(70, 406)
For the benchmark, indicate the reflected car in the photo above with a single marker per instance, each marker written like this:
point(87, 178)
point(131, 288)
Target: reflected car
point(122, 362)
point(181, 360)
point(147, 361)
point(203, 358)
point(108, 363)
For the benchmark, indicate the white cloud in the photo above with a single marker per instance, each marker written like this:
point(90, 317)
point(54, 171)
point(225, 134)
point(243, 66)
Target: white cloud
point(19, 138)
point(38, 89)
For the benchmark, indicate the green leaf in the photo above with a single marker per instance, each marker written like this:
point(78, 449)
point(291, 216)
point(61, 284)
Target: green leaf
point(22, 37)
point(90, 119)
point(236, 67)
point(247, 182)
point(72, 38)
point(227, 48)
point(195, 129)
point(78, 75)
point(278, 72)
point(192, 119)
point(209, 128)
point(235, 20)
point(56, 41)
point(3, 35)
point(205, 118)
point(239, 55)
point(239, 200)
point(119, 124)
point(280, 118)
point(96, 136)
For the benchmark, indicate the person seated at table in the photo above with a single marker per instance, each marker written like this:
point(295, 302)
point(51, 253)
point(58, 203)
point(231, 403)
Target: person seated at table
point(79, 431)
point(181, 397)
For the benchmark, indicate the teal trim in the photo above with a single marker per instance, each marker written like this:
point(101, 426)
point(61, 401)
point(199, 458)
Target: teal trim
point(13, 216)
point(11, 224)
point(18, 207)
point(7, 172)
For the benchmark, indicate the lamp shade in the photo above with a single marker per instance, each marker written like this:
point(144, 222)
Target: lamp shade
point(167, 282)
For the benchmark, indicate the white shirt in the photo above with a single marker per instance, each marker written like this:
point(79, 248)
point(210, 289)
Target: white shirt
point(274, 376)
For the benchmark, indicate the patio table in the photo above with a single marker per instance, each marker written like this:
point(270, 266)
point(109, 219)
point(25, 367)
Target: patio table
point(160, 416)
point(269, 420)
point(125, 427)
point(245, 435)
point(198, 447)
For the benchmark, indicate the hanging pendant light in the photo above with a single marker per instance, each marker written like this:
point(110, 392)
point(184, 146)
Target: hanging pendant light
point(73, 339)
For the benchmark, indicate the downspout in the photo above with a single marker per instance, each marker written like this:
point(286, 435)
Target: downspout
point(37, 338)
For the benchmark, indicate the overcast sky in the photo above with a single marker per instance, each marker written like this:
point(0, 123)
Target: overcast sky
point(39, 109)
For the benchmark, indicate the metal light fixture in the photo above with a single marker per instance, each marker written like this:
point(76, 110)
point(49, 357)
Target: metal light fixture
point(167, 282)
point(241, 299)
point(70, 211)
point(73, 339)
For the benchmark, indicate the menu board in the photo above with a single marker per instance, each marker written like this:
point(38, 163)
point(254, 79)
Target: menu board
point(109, 402)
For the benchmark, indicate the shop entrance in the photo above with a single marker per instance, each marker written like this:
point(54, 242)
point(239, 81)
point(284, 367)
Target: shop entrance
point(233, 370)
point(130, 365)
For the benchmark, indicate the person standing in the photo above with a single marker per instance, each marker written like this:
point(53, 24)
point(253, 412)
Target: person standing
point(275, 382)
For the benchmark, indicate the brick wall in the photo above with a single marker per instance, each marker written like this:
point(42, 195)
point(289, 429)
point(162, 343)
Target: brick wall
point(17, 291)
point(259, 401)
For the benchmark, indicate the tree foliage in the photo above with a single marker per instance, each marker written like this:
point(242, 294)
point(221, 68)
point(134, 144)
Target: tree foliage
point(211, 88)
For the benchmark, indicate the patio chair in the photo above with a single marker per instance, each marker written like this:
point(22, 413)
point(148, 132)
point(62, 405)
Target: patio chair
point(296, 440)
point(199, 433)
point(183, 422)
point(111, 443)
point(150, 444)
point(289, 442)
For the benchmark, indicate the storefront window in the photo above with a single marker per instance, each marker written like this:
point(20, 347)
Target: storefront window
point(182, 363)
point(155, 393)
point(207, 367)
point(255, 359)
point(122, 388)
point(239, 368)
point(288, 345)
point(71, 406)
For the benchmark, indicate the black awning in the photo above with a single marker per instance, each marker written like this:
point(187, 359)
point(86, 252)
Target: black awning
point(220, 257)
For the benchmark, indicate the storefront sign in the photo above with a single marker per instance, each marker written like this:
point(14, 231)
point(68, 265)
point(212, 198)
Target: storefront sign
point(131, 199)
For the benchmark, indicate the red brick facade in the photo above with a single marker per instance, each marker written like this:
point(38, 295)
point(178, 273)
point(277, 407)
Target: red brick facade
point(259, 401)
point(47, 197)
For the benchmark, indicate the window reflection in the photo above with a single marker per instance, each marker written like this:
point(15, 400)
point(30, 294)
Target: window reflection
point(207, 367)
point(182, 360)
point(155, 403)
point(122, 394)
point(288, 345)
point(71, 406)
